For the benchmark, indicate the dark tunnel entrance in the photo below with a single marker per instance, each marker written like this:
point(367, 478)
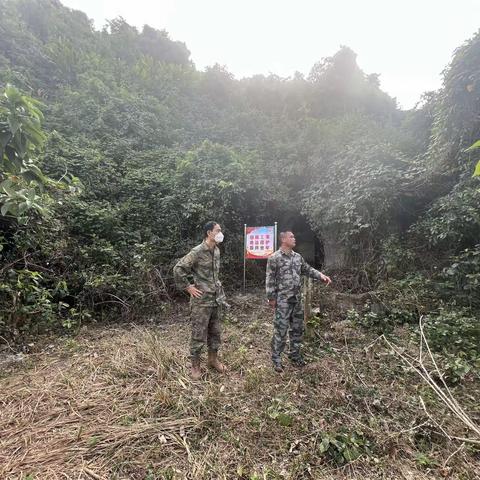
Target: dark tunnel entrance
point(309, 245)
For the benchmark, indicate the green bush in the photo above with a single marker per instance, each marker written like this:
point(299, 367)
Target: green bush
point(454, 332)
point(344, 447)
point(460, 281)
point(31, 303)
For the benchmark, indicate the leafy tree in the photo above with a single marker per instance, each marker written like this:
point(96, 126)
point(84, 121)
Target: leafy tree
point(161, 147)
point(475, 146)
point(21, 138)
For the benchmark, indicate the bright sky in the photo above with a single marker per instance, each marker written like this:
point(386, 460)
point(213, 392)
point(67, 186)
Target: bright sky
point(408, 42)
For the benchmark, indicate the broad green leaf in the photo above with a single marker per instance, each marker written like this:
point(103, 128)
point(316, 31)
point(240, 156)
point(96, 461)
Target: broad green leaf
point(15, 160)
point(20, 144)
point(31, 195)
point(5, 137)
point(324, 445)
point(31, 176)
point(350, 454)
point(14, 124)
point(12, 93)
point(474, 146)
point(476, 173)
point(5, 208)
point(22, 208)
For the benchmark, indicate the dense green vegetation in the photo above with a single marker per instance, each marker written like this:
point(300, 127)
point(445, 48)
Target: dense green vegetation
point(115, 149)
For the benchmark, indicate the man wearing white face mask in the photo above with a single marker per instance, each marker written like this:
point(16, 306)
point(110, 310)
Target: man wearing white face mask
point(206, 296)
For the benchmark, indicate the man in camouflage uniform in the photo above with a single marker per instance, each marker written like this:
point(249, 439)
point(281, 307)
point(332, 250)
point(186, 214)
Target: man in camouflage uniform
point(283, 283)
point(202, 264)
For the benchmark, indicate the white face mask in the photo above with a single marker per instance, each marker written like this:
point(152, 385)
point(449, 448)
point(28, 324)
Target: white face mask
point(219, 237)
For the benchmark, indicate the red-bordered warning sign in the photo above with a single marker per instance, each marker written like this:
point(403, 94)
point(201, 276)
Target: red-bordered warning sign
point(259, 242)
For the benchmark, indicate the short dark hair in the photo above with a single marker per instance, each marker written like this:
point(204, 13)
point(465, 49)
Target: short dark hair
point(208, 227)
point(284, 234)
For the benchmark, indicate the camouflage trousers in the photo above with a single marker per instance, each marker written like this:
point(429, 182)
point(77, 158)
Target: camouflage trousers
point(288, 319)
point(205, 328)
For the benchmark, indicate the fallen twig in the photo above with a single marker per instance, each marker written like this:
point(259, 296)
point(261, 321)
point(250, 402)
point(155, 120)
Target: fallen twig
point(446, 396)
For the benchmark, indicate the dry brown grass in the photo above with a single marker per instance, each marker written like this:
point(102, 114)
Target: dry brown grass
point(102, 405)
point(119, 404)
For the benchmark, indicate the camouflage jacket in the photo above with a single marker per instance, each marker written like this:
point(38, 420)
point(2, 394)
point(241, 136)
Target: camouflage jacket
point(203, 265)
point(284, 275)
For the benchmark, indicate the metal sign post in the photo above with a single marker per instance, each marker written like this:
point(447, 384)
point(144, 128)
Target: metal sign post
point(275, 241)
point(244, 256)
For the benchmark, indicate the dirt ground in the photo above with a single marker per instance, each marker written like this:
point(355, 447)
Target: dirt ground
point(116, 402)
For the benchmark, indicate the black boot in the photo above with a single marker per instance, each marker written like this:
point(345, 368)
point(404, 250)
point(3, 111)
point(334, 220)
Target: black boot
point(298, 362)
point(278, 367)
